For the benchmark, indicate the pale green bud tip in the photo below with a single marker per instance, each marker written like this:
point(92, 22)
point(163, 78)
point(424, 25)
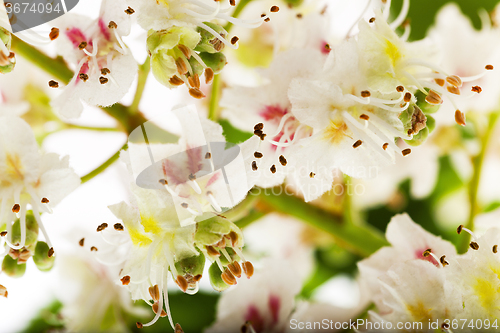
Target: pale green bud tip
point(43, 261)
point(210, 43)
point(31, 230)
point(12, 267)
point(190, 272)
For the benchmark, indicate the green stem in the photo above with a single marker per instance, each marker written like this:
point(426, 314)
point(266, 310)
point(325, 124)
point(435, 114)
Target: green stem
point(363, 240)
point(237, 11)
point(251, 217)
point(143, 74)
point(90, 128)
point(213, 109)
point(477, 164)
point(103, 166)
point(56, 67)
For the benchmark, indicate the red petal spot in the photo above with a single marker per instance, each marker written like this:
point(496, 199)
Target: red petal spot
point(419, 254)
point(274, 306)
point(104, 29)
point(76, 36)
point(273, 113)
point(255, 318)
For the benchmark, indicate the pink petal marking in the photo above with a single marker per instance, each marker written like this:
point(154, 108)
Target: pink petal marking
point(324, 49)
point(76, 36)
point(419, 254)
point(273, 113)
point(274, 306)
point(104, 29)
point(173, 172)
point(213, 179)
point(255, 318)
point(194, 162)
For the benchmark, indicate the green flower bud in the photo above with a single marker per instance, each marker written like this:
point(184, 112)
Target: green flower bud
point(169, 50)
point(208, 42)
point(196, 66)
point(423, 105)
point(216, 278)
point(190, 271)
point(41, 258)
point(12, 268)
point(6, 63)
point(216, 61)
point(211, 232)
point(31, 230)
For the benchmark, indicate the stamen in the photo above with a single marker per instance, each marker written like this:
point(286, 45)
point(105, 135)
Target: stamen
point(54, 33)
point(365, 93)
point(443, 261)
point(155, 308)
point(93, 248)
point(474, 246)
point(176, 81)
point(357, 144)
point(81, 242)
point(125, 280)
point(371, 20)
point(273, 168)
point(182, 283)
point(407, 97)
point(275, 9)
point(433, 98)
point(102, 227)
point(194, 185)
point(489, 67)
point(234, 238)
point(248, 269)
point(495, 248)
point(428, 253)
point(3, 291)
point(185, 50)
point(228, 277)
point(283, 160)
point(235, 268)
point(209, 75)
point(139, 324)
point(406, 151)
point(364, 117)
point(476, 89)
point(462, 228)
point(312, 174)
point(439, 82)
point(460, 118)
point(194, 81)
point(103, 80)
point(258, 154)
point(84, 77)
point(112, 25)
point(453, 90)
point(178, 328)
point(213, 202)
point(234, 40)
point(154, 291)
point(45, 201)
point(196, 93)
point(212, 251)
point(400, 88)
point(208, 155)
point(118, 227)
point(454, 80)
point(129, 11)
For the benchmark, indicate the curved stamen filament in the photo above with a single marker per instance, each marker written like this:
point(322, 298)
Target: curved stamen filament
point(402, 15)
point(194, 185)
point(387, 10)
point(160, 302)
point(36, 213)
point(282, 123)
point(216, 34)
point(226, 255)
point(213, 202)
point(367, 6)
point(167, 305)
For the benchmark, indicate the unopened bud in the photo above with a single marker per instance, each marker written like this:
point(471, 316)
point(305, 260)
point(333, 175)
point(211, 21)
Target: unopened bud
point(41, 258)
point(12, 268)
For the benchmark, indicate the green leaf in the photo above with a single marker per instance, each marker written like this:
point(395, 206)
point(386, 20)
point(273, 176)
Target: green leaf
point(233, 134)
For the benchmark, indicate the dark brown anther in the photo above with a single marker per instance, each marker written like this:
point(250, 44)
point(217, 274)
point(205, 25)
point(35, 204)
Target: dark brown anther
point(406, 151)
point(474, 246)
point(495, 248)
point(372, 20)
point(489, 67)
point(182, 283)
point(118, 227)
point(3, 233)
point(445, 326)
point(234, 238)
point(105, 71)
point(125, 280)
point(459, 229)
point(3, 291)
point(156, 307)
point(197, 278)
point(427, 253)
point(163, 181)
point(102, 227)
point(357, 144)
point(258, 154)
point(254, 166)
point(364, 117)
point(283, 160)
point(439, 82)
point(81, 242)
point(476, 89)
point(212, 251)
point(312, 174)
point(262, 15)
point(209, 75)
point(327, 47)
point(93, 248)
point(84, 77)
point(82, 45)
point(154, 291)
point(235, 40)
point(196, 93)
point(443, 261)
point(232, 2)
point(191, 176)
point(273, 168)
point(267, 19)
point(228, 277)
point(208, 156)
point(129, 11)
point(112, 25)
point(365, 93)
point(184, 205)
point(275, 9)
point(460, 118)
point(45, 200)
point(235, 268)
point(51, 252)
point(103, 80)
point(185, 50)
point(400, 88)
point(248, 269)
point(138, 324)
point(16, 208)
point(299, 15)
point(175, 81)
point(407, 97)
point(259, 126)
point(54, 33)
point(221, 244)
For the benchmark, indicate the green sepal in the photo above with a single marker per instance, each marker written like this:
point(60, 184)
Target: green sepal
point(41, 258)
point(191, 266)
point(216, 279)
point(12, 268)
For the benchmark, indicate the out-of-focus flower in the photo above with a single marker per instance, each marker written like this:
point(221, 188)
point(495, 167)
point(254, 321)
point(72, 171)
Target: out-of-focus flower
point(269, 105)
point(7, 59)
point(104, 67)
point(465, 52)
point(267, 304)
point(92, 300)
point(28, 178)
point(408, 241)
